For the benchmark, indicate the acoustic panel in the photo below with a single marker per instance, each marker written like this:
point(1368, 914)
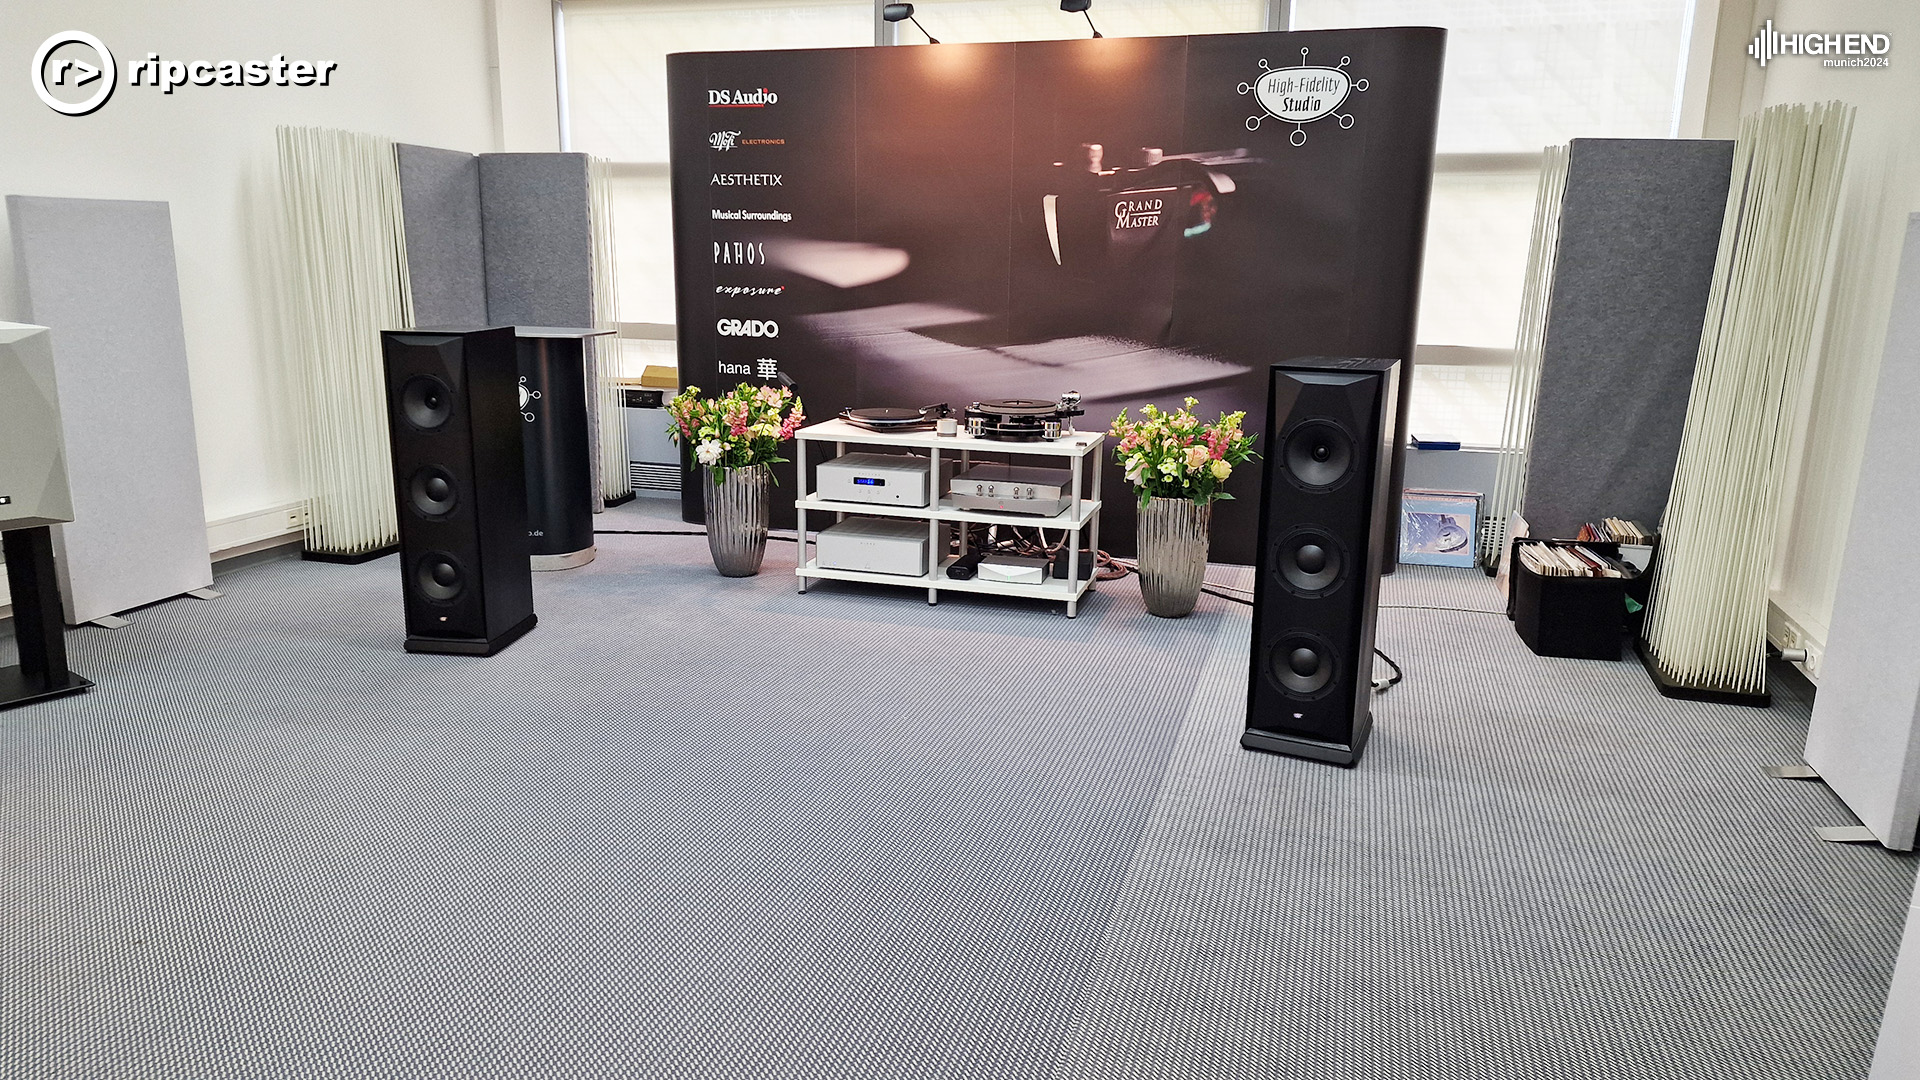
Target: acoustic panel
point(539, 239)
point(1638, 232)
point(100, 274)
point(440, 199)
point(1863, 737)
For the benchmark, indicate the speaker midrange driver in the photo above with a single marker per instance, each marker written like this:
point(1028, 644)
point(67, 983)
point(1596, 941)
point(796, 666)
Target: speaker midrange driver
point(1318, 455)
point(426, 402)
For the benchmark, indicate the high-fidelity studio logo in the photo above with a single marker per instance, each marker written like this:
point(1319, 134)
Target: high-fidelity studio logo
point(735, 179)
point(1300, 95)
point(1839, 50)
point(724, 140)
point(74, 73)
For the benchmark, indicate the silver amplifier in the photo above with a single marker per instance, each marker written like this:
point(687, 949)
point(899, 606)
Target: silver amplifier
point(885, 479)
point(1015, 489)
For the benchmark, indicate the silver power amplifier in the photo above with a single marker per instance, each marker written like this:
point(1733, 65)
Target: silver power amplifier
point(1013, 489)
point(886, 479)
point(875, 545)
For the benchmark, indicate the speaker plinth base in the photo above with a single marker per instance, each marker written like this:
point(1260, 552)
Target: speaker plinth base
point(564, 562)
point(353, 559)
point(470, 646)
point(16, 691)
point(1343, 754)
point(1682, 692)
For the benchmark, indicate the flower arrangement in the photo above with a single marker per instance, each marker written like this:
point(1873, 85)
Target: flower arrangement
point(741, 429)
point(1172, 455)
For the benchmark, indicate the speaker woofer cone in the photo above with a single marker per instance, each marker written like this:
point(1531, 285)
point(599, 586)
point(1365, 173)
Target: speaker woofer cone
point(1310, 561)
point(426, 402)
point(433, 492)
point(440, 577)
point(1301, 664)
point(1318, 455)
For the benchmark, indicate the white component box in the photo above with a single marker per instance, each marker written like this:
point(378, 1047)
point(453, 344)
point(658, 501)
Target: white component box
point(1013, 570)
point(882, 479)
point(874, 546)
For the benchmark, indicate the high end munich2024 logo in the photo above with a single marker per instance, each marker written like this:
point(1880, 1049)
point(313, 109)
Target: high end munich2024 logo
point(1300, 95)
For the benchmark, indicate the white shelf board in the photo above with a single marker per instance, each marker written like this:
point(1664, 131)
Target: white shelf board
point(1053, 589)
point(946, 511)
point(836, 430)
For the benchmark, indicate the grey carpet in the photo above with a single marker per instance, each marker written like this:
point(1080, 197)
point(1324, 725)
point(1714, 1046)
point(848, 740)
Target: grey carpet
point(694, 827)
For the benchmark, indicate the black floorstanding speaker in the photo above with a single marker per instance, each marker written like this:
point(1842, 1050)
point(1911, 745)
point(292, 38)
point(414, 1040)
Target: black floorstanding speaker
point(461, 482)
point(1325, 519)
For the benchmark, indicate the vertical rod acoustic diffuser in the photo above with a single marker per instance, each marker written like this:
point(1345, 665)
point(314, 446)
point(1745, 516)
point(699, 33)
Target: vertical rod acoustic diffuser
point(344, 281)
point(1706, 623)
point(615, 481)
point(1529, 345)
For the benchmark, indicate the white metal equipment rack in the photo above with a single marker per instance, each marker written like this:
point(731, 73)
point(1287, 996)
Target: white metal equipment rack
point(1080, 517)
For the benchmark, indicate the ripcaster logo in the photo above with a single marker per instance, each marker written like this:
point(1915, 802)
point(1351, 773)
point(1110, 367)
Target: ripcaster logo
point(1300, 95)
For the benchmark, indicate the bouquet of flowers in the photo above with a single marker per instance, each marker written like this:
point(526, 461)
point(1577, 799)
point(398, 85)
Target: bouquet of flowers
point(744, 428)
point(1172, 455)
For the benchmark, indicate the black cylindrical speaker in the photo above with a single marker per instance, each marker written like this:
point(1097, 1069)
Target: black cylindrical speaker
point(461, 486)
point(1324, 507)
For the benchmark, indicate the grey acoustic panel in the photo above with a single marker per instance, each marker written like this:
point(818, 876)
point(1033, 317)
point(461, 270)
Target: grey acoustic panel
point(446, 262)
point(1863, 737)
point(100, 274)
point(1639, 232)
point(33, 456)
point(1897, 1056)
point(539, 241)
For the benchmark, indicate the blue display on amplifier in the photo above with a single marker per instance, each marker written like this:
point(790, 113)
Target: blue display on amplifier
point(870, 481)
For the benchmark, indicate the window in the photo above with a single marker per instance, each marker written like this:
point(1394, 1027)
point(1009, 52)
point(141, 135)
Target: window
point(1521, 75)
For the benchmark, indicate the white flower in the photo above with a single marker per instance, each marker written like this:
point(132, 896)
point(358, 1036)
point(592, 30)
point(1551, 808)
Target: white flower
point(709, 452)
point(1135, 469)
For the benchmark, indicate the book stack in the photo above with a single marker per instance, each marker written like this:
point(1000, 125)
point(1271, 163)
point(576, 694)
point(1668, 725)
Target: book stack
point(1573, 560)
point(1615, 531)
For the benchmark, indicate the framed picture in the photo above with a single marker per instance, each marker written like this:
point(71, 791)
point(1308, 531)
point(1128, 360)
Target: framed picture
point(1437, 527)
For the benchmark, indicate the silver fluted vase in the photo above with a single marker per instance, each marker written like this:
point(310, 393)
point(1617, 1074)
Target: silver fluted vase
point(737, 518)
point(1173, 554)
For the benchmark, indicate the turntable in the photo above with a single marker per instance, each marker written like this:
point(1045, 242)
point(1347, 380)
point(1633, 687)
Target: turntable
point(1024, 419)
point(895, 419)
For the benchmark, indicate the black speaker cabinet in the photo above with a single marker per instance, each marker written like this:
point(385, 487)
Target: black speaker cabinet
point(461, 483)
point(1325, 517)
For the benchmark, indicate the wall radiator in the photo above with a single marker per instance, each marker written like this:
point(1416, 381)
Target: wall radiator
point(614, 481)
point(344, 281)
point(1707, 618)
point(1529, 341)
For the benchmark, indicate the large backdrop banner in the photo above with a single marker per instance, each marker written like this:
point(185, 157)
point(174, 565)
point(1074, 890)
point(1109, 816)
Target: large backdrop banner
point(1136, 219)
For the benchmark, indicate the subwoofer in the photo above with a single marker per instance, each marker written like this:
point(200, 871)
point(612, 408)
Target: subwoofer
point(461, 485)
point(1325, 520)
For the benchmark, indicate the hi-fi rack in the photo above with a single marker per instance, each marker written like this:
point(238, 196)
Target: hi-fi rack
point(1080, 516)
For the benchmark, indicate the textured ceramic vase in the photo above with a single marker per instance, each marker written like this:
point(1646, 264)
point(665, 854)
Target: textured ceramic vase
point(1173, 554)
point(737, 518)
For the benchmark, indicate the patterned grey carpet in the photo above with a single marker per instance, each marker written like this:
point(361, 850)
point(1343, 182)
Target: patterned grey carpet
point(698, 827)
